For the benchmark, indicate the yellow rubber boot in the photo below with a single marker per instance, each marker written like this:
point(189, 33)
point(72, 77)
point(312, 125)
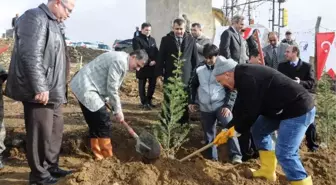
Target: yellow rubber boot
point(306, 181)
point(105, 147)
point(268, 166)
point(94, 142)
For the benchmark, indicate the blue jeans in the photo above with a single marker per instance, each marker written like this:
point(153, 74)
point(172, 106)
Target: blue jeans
point(290, 135)
point(208, 120)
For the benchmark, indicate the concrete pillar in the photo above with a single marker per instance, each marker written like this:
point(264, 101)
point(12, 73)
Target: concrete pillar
point(161, 13)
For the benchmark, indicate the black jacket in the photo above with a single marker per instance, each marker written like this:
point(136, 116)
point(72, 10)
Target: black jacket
point(265, 91)
point(148, 44)
point(38, 62)
point(3, 78)
point(230, 45)
point(302, 70)
point(14, 21)
point(168, 47)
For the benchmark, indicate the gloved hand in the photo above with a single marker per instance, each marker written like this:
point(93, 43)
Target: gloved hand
point(224, 136)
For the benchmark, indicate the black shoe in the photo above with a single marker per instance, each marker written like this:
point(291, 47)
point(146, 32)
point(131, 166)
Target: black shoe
point(49, 180)
point(147, 107)
point(152, 105)
point(58, 172)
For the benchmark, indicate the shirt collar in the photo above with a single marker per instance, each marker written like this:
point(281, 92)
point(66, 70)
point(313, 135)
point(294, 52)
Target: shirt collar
point(295, 62)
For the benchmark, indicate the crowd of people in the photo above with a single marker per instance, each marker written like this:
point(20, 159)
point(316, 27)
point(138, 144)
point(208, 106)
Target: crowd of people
point(264, 111)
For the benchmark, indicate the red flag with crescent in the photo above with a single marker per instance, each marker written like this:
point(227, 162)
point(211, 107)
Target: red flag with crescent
point(326, 54)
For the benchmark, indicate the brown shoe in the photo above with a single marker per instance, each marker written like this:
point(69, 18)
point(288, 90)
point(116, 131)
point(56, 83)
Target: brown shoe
point(94, 142)
point(106, 147)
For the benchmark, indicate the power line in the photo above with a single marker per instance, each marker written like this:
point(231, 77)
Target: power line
point(328, 29)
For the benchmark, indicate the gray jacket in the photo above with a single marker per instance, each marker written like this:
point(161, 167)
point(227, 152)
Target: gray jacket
point(38, 62)
point(211, 95)
point(201, 41)
point(280, 51)
point(101, 79)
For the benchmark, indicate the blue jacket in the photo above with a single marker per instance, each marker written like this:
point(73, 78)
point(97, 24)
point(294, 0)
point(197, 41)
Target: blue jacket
point(211, 95)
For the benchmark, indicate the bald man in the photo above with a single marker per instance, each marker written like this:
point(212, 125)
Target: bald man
point(274, 53)
point(37, 78)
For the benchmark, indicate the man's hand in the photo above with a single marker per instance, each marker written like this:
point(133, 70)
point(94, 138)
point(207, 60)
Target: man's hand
point(42, 97)
point(193, 107)
point(226, 112)
point(152, 63)
point(224, 136)
point(119, 117)
point(297, 79)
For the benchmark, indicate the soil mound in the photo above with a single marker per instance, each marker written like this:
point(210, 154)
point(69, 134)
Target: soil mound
point(196, 172)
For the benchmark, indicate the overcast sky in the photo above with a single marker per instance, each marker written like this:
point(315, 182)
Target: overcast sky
point(107, 20)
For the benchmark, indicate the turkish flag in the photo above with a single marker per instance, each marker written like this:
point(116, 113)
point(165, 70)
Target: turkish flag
point(326, 54)
point(4, 49)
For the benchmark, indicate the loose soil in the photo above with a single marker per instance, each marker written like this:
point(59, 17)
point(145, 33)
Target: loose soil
point(126, 167)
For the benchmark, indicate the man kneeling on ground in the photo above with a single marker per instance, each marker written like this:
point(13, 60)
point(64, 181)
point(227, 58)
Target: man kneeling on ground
point(215, 102)
point(100, 80)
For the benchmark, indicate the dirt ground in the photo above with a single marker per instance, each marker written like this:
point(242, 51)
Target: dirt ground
point(126, 167)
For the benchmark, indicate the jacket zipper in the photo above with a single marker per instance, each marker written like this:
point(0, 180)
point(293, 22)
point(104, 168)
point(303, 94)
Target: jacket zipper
point(209, 90)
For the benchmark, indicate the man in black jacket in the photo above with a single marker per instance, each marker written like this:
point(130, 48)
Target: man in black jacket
point(268, 100)
point(14, 20)
point(146, 42)
point(303, 73)
point(175, 42)
point(37, 77)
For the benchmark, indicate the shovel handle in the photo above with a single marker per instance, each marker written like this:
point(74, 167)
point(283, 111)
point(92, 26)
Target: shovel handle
point(130, 129)
point(197, 151)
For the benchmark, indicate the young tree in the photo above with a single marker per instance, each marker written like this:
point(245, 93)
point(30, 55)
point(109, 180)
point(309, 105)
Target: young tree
point(170, 132)
point(326, 110)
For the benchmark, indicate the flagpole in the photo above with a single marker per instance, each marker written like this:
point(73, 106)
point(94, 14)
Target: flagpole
point(317, 30)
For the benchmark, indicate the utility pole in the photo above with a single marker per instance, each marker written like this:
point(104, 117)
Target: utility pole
point(249, 11)
point(232, 7)
point(279, 19)
point(273, 15)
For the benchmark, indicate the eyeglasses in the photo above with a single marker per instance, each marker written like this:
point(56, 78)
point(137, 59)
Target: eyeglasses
point(65, 6)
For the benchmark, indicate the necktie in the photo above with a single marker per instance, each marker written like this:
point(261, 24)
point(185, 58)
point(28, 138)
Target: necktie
point(292, 64)
point(275, 59)
point(179, 40)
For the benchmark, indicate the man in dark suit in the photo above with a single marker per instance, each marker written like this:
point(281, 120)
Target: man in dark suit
point(147, 73)
point(174, 42)
point(303, 73)
point(231, 44)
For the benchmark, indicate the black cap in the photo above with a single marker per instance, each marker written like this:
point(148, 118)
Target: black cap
point(288, 32)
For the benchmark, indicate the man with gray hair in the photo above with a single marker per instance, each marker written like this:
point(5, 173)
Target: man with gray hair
point(232, 44)
point(201, 40)
point(37, 78)
point(99, 82)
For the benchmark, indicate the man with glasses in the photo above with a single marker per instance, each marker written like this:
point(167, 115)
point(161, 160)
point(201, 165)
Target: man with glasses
point(99, 82)
point(274, 53)
point(37, 78)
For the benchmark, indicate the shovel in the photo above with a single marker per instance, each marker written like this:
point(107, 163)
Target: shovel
point(146, 144)
point(200, 150)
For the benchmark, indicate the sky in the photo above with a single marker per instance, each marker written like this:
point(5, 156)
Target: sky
point(116, 19)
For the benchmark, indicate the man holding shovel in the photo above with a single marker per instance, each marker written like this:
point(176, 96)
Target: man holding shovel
point(100, 80)
point(267, 101)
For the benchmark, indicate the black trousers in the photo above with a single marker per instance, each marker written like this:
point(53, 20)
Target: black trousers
point(311, 137)
point(247, 147)
point(44, 132)
point(146, 98)
point(99, 122)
